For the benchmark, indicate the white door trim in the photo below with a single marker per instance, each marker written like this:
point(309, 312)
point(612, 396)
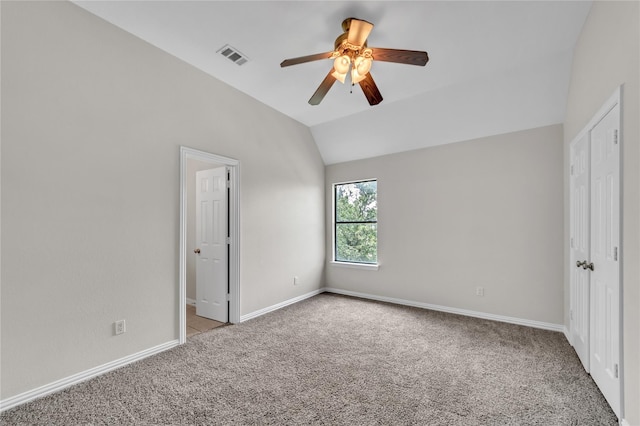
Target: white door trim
point(234, 229)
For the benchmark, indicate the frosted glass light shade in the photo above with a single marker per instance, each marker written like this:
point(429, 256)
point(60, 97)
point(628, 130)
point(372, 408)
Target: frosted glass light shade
point(339, 76)
point(341, 64)
point(361, 67)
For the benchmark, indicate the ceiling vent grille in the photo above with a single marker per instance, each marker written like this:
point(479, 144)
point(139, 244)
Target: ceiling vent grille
point(233, 54)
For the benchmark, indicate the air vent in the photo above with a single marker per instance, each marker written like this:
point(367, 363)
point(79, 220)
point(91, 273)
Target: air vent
point(233, 54)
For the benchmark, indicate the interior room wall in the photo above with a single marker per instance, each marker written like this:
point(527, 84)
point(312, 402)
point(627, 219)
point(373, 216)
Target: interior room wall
point(486, 212)
point(606, 56)
point(92, 122)
point(193, 166)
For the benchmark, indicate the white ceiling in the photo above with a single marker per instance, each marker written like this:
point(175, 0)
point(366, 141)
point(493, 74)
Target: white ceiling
point(494, 66)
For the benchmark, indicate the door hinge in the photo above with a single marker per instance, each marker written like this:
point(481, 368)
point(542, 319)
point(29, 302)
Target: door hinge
point(572, 170)
point(571, 242)
point(615, 253)
point(615, 136)
point(615, 370)
point(228, 297)
point(228, 240)
point(571, 314)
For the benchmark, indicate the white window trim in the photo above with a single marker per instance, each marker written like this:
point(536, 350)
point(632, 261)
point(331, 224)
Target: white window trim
point(352, 265)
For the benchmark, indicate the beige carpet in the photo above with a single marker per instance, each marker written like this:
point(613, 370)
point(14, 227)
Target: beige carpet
point(342, 361)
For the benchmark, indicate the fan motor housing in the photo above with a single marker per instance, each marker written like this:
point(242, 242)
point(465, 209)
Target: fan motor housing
point(341, 44)
point(346, 25)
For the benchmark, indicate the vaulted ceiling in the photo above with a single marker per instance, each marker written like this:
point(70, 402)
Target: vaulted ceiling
point(494, 67)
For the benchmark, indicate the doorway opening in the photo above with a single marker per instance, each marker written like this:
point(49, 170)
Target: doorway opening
point(191, 159)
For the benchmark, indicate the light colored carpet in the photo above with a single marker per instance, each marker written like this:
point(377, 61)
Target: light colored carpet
point(338, 360)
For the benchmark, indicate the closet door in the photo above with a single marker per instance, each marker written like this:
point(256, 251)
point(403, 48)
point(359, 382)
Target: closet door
point(604, 266)
point(595, 254)
point(580, 229)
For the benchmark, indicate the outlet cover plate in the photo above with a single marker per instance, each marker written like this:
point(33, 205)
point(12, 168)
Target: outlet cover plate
point(119, 327)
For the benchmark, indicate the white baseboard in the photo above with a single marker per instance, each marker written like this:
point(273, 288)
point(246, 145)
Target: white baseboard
point(624, 422)
point(58, 385)
point(465, 312)
point(280, 305)
point(191, 301)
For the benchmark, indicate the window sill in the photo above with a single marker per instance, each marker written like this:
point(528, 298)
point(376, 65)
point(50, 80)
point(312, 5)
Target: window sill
point(365, 266)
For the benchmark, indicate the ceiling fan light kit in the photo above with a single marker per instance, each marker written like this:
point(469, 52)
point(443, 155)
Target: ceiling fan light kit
point(352, 57)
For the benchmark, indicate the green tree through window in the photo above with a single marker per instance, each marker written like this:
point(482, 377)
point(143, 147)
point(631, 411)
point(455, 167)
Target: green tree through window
point(356, 222)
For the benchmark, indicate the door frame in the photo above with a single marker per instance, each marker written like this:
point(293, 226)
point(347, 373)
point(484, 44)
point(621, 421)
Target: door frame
point(233, 166)
point(607, 106)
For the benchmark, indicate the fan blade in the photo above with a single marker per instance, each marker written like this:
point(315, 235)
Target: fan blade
point(359, 31)
point(303, 59)
point(322, 90)
point(411, 57)
point(370, 90)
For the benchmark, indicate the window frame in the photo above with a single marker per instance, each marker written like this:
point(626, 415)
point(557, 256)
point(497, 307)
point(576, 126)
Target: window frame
point(350, 263)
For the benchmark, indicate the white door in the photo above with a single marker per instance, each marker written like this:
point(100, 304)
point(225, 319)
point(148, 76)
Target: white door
point(579, 246)
point(211, 241)
point(605, 243)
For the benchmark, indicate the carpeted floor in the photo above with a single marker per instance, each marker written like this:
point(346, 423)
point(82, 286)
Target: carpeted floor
point(342, 361)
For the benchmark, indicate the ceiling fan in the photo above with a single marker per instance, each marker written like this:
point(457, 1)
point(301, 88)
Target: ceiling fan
point(353, 57)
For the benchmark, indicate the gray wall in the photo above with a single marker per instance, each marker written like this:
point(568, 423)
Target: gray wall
point(605, 57)
point(92, 122)
point(486, 212)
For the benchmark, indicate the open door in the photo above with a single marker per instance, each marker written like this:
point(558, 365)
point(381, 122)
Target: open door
point(212, 244)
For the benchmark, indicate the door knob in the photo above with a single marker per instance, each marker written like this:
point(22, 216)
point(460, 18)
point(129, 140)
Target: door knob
point(197, 251)
point(579, 264)
point(588, 265)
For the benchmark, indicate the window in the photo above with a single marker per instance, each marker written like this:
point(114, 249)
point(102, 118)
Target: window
point(356, 222)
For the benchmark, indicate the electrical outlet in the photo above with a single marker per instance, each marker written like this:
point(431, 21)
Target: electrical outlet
point(296, 280)
point(479, 291)
point(119, 327)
